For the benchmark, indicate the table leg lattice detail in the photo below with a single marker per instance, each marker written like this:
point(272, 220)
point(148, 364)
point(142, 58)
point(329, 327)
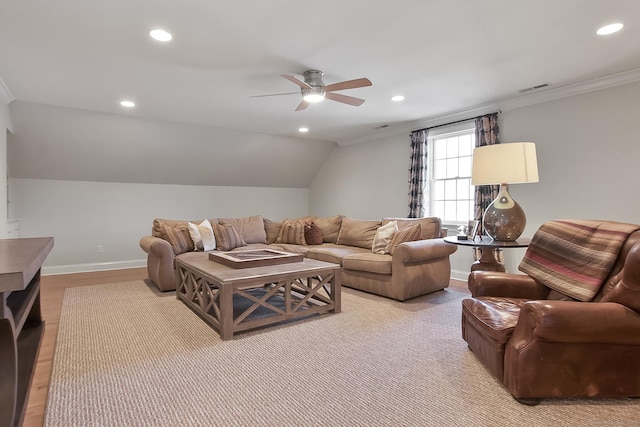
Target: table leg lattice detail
point(231, 310)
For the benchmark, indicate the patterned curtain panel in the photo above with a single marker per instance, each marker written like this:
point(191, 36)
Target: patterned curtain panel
point(417, 173)
point(487, 133)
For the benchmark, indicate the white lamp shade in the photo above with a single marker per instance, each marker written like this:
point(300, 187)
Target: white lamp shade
point(512, 163)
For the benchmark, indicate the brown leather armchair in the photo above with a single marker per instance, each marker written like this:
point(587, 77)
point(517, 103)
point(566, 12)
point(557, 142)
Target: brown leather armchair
point(542, 344)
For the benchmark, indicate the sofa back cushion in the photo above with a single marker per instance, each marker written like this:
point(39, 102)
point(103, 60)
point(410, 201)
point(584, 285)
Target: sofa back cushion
point(356, 232)
point(330, 227)
point(251, 228)
point(431, 226)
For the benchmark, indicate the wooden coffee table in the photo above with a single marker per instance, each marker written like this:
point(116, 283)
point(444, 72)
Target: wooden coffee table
point(233, 300)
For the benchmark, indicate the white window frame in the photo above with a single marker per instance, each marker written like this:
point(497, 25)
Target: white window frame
point(438, 133)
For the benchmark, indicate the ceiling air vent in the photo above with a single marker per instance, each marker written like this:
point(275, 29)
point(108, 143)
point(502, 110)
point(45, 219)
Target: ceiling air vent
point(529, 89)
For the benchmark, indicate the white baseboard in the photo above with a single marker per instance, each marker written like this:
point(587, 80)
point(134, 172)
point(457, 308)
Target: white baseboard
point(120, 265)
point(86, 268)
point(460, 275)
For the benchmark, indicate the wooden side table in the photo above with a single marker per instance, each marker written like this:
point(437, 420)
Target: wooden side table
point(488, 260)
point(21, 324)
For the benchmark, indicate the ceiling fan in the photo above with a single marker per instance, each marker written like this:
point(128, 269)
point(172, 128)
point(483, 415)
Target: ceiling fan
point(314, 90)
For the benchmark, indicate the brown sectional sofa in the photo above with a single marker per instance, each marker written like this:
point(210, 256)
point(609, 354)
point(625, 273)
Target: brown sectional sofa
point(412, 268)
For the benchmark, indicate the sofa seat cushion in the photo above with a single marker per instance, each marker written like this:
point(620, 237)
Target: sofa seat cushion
point(495, 317)
point(290, 247)
point(368, 261)
point(252, 247)
point(330, 252)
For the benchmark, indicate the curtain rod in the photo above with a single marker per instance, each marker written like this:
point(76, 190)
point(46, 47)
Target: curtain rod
point(458, 121)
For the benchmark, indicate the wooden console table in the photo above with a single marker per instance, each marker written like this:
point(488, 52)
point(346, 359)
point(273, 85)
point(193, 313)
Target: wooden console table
point(21, 324)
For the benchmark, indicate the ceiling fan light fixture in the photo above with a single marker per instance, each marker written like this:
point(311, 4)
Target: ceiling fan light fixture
point(313, 94)
point(313, 97)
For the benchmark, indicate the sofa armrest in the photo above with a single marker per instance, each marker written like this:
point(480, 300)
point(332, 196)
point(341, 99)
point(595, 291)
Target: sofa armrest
point(157, 246)
point(421, 250)
point(160, 262)
point(499, 284)
point(579, 322)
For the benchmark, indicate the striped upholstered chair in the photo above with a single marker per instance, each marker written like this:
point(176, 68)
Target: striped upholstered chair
point(569, 326)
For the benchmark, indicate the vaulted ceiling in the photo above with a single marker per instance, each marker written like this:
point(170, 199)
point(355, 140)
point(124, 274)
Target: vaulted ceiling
point(443, 56)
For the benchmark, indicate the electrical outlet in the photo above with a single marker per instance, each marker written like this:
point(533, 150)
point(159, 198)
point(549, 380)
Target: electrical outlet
point(100, 249)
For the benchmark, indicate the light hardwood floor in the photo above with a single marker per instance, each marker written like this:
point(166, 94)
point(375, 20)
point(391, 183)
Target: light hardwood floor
point(51, 295)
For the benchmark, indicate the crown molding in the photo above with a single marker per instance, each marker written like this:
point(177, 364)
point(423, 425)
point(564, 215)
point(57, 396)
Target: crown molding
point(5, 94)
point(537, 97)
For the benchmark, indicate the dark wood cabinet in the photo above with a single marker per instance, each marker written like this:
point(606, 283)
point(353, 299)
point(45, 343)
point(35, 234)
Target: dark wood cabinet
point(21, 324)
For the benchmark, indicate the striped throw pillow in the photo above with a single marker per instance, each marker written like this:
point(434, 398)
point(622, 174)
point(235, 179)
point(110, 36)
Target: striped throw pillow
point(408, 234)
point(293, 233)
point(178, 237)
point(227, 237)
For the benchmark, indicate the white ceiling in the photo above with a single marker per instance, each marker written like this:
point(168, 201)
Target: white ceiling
point(444, 56)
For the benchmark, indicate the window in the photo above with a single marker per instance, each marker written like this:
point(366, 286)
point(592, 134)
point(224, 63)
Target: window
point(449, 188)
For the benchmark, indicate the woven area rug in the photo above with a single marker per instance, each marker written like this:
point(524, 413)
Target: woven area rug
point(127, 355)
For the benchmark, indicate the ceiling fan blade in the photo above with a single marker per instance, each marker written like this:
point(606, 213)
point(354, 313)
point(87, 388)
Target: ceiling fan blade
point(304, 104)
point(344, 99)
point(349, 84)
point(296, 80)
point(275, 94)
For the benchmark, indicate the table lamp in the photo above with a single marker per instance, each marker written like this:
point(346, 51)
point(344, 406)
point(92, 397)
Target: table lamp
point(503, 164)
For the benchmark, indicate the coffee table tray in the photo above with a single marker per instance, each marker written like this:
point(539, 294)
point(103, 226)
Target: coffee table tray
point(254, 258)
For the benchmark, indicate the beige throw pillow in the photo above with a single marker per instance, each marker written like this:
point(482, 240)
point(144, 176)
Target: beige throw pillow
point(272, 229)
point(408, 234)
point(202, 235)
point(382, 240)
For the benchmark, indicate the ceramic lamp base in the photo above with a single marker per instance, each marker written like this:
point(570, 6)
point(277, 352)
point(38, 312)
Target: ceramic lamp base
point(504, 219)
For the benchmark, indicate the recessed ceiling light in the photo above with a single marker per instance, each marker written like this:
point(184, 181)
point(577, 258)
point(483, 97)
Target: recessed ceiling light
point(397, 98)
point(128, 104)
point(160, 35)
point(609, 29)
point(303, 130)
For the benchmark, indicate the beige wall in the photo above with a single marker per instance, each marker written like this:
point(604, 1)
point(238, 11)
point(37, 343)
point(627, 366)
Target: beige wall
point(588, 154)
point(83, 215)
point(5, 126)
